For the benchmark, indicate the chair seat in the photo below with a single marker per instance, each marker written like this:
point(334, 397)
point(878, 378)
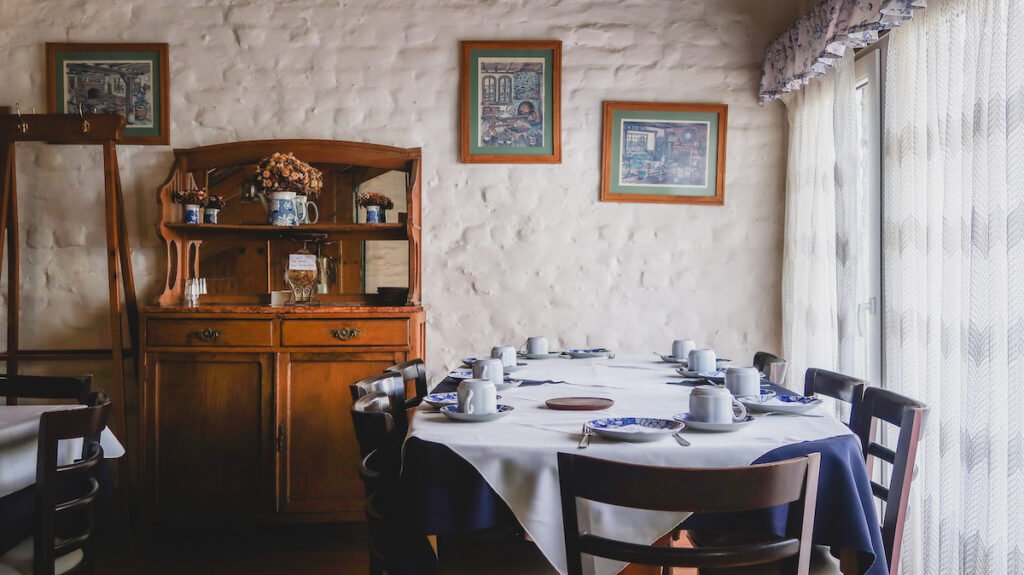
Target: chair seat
point(18, 561)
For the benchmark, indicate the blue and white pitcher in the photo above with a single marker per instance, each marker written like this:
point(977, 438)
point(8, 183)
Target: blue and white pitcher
point(281, 209)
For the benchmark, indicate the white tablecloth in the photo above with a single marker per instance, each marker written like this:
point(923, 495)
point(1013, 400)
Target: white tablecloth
point(19, 442)
point(517, 454)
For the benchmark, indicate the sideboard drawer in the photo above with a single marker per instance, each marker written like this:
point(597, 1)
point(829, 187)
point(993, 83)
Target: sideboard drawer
point(210, 332)
point(354, 332)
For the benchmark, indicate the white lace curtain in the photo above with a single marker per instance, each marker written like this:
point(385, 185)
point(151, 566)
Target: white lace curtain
point(953, 161)
point(817, 278)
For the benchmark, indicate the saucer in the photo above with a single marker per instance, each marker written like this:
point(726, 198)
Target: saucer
point(671, 358)
point(634, 429)
point(717, 376)
point(548, 355)
point(587, 353)
point(443, 399)
point(452, 412)
point(461, 374)
point(514, 368)
point(705, 426)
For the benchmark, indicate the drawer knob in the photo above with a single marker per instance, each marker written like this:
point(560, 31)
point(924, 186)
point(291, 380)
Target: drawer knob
point(345, 333)
point(207, 334)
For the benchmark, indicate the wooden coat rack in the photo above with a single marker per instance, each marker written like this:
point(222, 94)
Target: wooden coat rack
point(68, 129)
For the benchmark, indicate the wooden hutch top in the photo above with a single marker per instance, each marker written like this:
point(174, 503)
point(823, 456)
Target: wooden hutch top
point(245, 255)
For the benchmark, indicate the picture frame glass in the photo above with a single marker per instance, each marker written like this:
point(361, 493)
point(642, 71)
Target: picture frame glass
point(511, 102)
point(122, 82)
point(664, 153)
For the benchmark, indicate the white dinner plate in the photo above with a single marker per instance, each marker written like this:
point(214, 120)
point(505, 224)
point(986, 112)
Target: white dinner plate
point(452, 412)
point(634, 429)
point(717, 427)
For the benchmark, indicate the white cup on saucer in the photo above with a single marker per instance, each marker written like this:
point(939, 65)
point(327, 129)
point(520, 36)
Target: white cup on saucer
point(490, 369)
point(681, 348)
point(714, 404)
point(743, 381)
point(537, 345)
point(701, 361)
point(478, 396)
point(506, 353)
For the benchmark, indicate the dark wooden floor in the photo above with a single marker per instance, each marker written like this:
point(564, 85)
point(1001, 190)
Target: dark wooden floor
point(307, 549)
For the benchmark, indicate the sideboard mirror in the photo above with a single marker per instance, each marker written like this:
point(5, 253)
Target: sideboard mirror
point(243, 258)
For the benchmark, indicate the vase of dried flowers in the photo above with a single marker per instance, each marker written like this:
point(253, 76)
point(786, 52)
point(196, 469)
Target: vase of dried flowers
point(282, 177)
point(376, 205)
point(192, 201)
point(214, 204)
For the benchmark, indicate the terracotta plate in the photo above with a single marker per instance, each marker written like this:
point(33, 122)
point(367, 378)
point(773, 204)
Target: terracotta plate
point(579, 403)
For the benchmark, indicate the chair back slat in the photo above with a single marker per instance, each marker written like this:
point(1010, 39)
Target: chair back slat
point(882, 452)
point(908, 415)
point(75, 389)
point(793, 482)
point(634, 486)
point(85, 423)
point(706, 557)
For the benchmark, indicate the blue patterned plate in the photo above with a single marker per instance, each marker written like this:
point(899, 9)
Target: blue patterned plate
point(782, 403)
point(715, 376)
point(443, 399)
point(452, 412)
point(587, 353)
point(634, 429)
point(461, 374)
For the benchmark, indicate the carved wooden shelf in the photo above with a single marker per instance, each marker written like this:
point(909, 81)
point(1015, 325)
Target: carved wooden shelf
point(371, 232)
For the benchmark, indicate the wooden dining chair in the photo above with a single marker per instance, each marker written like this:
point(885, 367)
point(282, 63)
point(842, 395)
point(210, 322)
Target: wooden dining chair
point(391, 384)
point(378, 468)
point(845, 388)
point(908, 415)
point(74, 389)
point(772, 366)
point(62, 530)
point(412, 371)
point(373, 421)
point(793, 482)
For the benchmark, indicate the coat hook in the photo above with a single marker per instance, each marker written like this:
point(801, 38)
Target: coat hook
point(22, 124)
point(85, 123)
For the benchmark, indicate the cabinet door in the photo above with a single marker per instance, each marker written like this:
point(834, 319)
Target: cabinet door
point(210, 451)
point(319, 465)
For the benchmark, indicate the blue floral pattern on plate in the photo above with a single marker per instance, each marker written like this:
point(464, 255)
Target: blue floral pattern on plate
point(441, 399)
point(635, 429)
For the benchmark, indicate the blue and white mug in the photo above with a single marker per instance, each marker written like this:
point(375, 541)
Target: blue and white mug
point(210, 215)
point(373, 215)
point(190, 214)
point(281, 209)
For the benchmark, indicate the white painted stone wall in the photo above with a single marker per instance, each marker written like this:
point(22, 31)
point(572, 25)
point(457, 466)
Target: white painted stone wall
point(509, 251)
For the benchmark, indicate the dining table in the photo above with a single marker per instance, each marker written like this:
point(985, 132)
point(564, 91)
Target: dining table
point(19, 443)
point(460, 477)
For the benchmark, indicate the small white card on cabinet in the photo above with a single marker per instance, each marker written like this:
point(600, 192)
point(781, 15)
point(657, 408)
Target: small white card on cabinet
point(302, 262)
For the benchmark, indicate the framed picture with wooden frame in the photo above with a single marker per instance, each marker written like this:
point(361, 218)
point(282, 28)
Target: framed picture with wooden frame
point(127, 79)
point(664, 153)
point(511, 102)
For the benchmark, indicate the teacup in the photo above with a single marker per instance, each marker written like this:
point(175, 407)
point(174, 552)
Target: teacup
point(478, 396)
point(714, 404)
point(681, 348)
point(537, 345)
point(490, 369)
point(506, 353)
point(701, 360)
point(743, 381)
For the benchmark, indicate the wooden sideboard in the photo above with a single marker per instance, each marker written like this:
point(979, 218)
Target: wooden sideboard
point(245, 410)
point(244, 407)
